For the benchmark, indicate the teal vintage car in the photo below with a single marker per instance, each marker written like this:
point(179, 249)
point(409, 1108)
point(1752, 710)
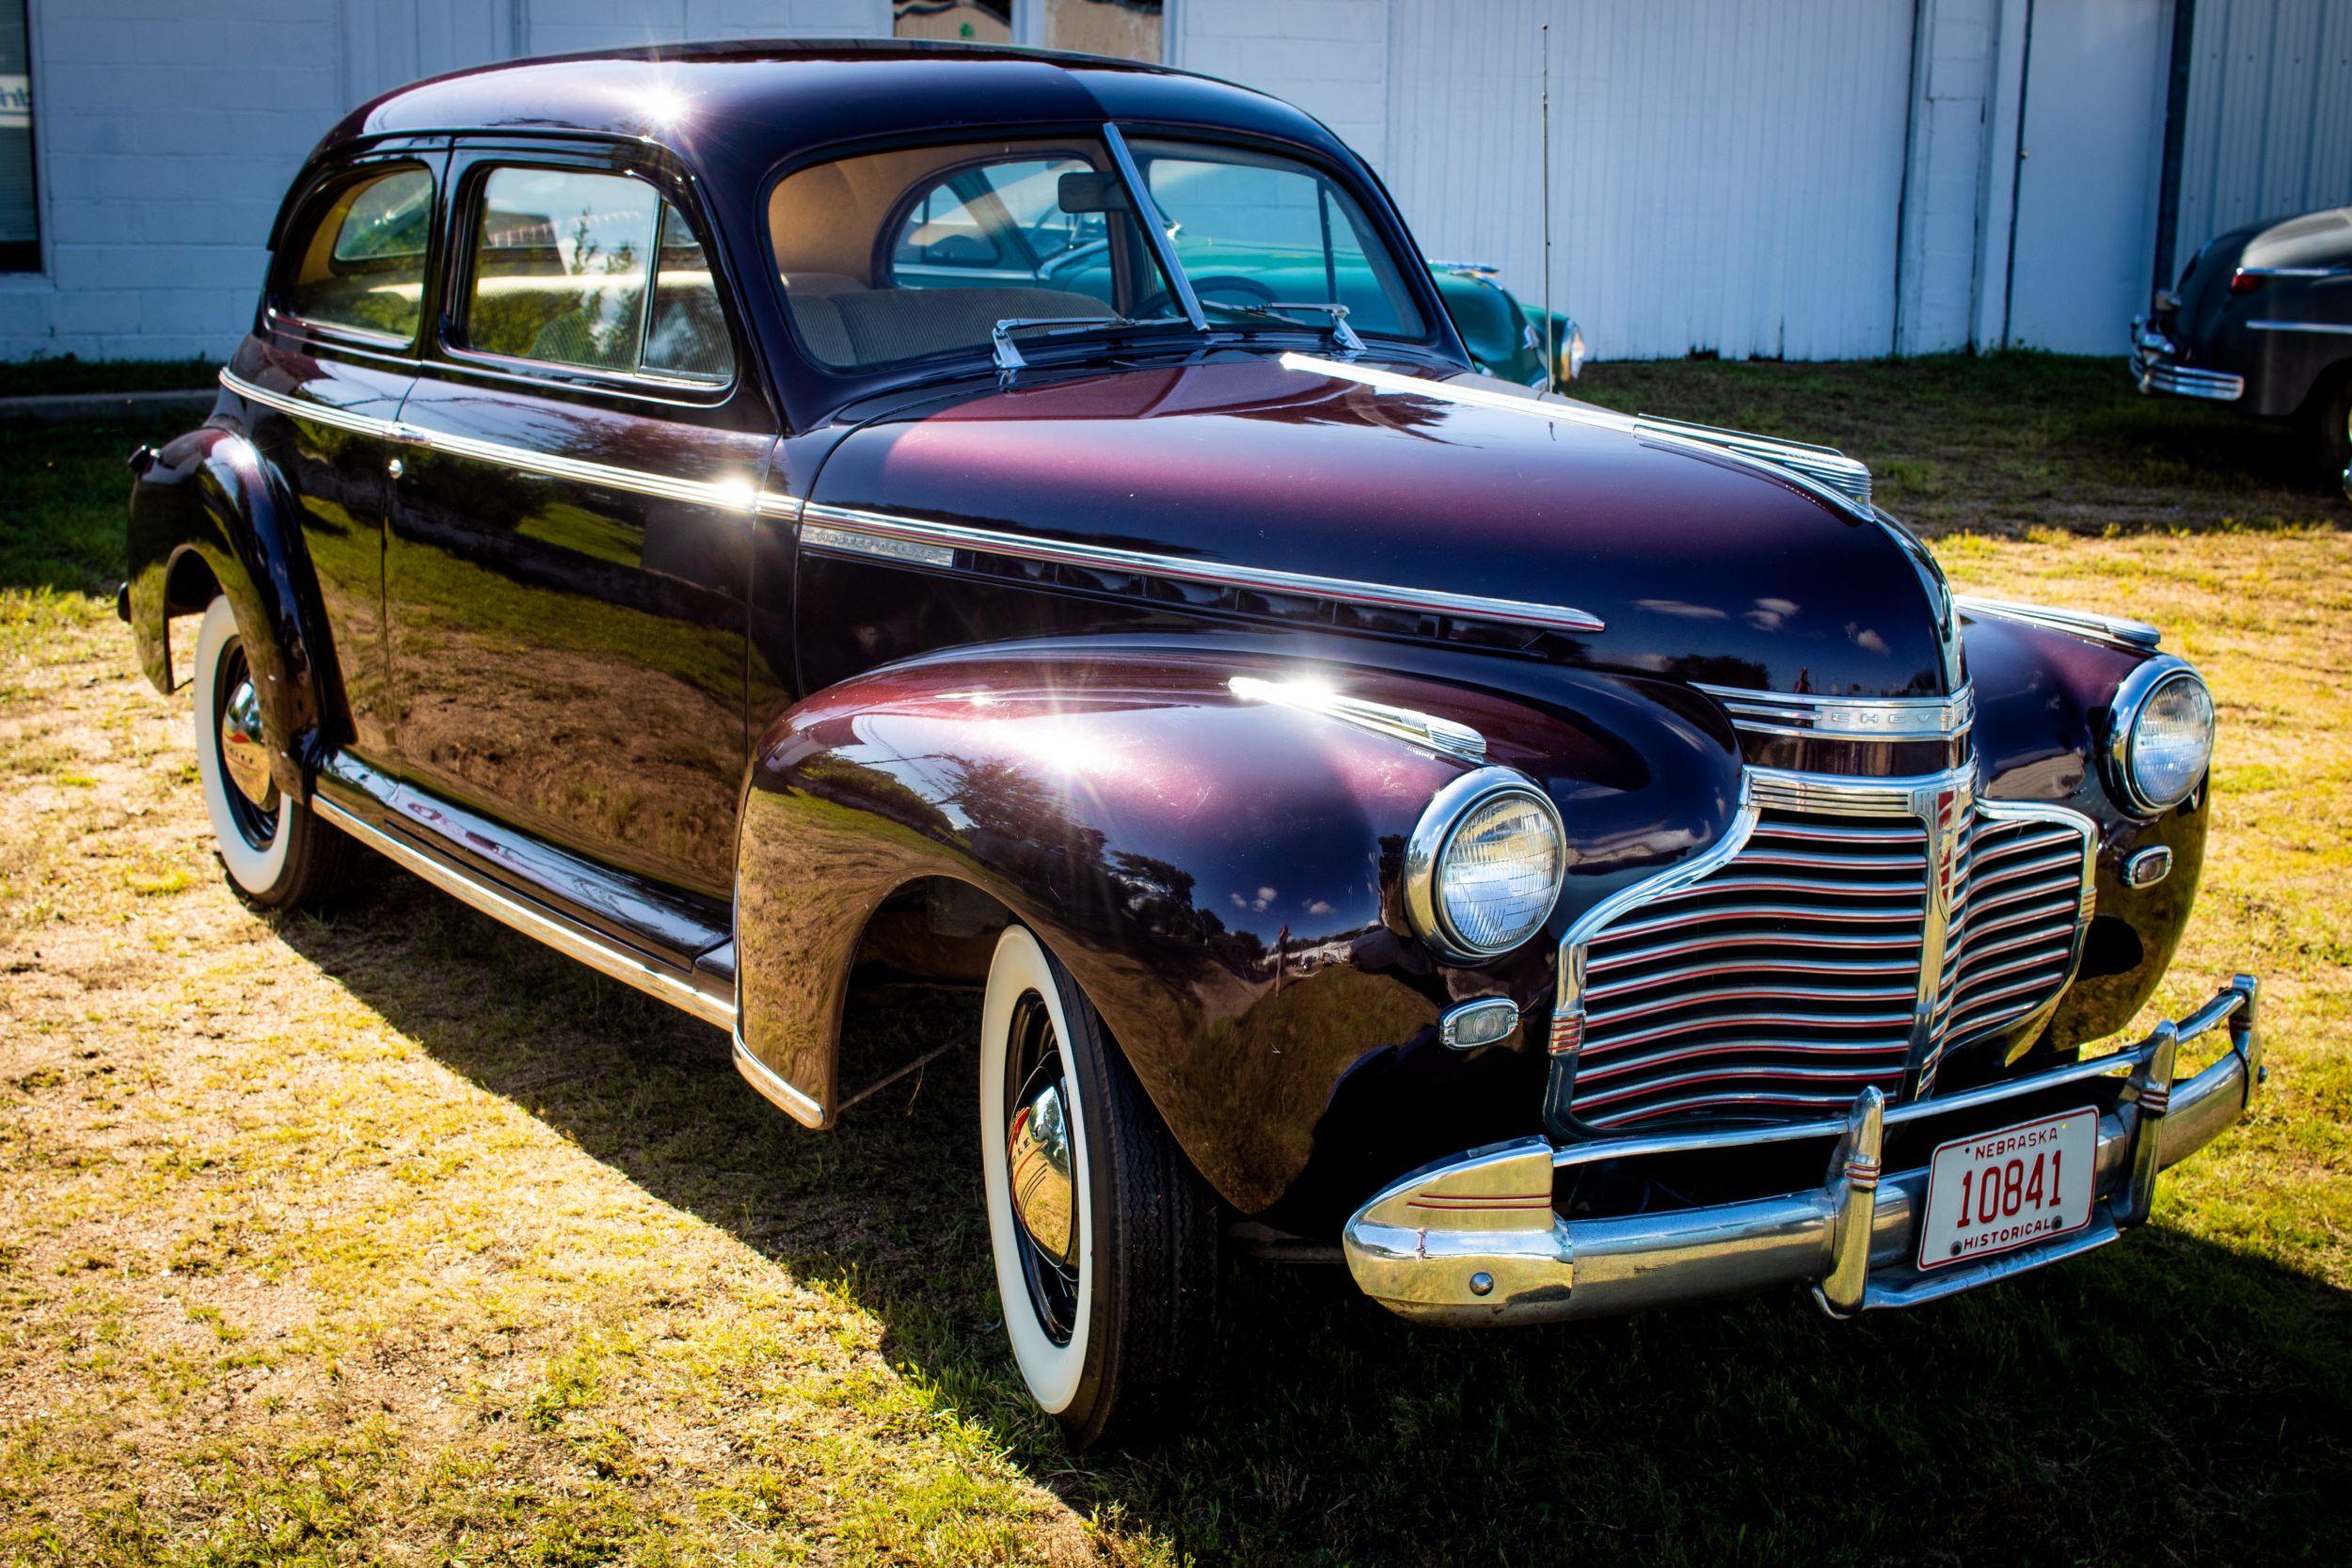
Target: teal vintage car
point(1247, 251)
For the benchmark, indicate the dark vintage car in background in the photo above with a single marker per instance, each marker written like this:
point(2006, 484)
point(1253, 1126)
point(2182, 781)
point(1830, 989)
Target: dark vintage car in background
point(1557, 862)
point(2262, 319)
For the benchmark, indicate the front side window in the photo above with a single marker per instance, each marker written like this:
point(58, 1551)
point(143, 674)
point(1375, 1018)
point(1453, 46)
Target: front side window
point(1254, 229)
point(358, 256)
point(593, 272)
point(892, 256)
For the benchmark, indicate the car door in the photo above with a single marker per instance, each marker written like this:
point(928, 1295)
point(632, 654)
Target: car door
point(325, 372)
point(570, 541)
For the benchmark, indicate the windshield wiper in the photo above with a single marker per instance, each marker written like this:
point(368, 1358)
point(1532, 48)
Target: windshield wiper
point(1342, 333)
point(1008, 359)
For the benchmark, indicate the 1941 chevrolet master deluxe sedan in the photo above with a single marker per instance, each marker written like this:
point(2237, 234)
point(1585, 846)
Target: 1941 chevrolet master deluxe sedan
point(692, 509)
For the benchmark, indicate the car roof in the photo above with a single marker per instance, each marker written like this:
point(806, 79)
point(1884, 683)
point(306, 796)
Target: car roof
point(758, 101)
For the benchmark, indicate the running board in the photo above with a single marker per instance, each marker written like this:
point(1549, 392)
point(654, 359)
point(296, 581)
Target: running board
point(597, 951)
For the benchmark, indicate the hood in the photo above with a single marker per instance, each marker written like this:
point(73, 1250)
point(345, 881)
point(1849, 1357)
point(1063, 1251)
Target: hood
point(1701, 567)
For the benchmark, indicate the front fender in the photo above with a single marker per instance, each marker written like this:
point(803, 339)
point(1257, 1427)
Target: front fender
point(2043, 699)
point(1217, 873)
point(209, 494)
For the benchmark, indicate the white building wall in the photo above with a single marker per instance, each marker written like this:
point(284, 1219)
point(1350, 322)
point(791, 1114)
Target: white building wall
point(165, 134)
point(2269, 123)
point(1330, 58)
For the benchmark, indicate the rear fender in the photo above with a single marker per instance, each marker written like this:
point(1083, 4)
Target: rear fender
point(1218, 872)
point(209, 495)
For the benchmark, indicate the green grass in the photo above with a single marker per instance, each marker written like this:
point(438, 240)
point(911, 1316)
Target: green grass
point(388, 1236)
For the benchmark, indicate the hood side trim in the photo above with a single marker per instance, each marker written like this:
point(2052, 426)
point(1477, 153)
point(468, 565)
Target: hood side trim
point(1818, 471)
point(864, 532)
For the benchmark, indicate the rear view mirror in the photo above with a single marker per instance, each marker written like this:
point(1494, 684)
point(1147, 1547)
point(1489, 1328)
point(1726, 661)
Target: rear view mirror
point(1090, 192)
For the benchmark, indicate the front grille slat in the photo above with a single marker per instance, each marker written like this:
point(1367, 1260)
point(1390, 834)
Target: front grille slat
point(1788, 978)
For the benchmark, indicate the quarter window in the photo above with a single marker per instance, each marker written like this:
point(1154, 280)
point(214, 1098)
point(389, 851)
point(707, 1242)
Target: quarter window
point(359, 261)
point(595, 272)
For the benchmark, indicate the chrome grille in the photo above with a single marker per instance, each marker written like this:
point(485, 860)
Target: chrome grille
point(1788, 977)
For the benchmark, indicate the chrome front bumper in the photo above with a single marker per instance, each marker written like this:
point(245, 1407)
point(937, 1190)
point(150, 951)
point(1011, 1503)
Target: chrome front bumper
point(1475, 1240)
point(2156, 368)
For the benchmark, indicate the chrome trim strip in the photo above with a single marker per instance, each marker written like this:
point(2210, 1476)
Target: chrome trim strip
point(606, 958)
point(1847, 717)
point(2120, 631)
point(1442, 736)
point(819, 537)
point(1022, 546)
point(1823, 465)
point(741, 496)
point(776, 1088)
point(2338, 327)
point(1561, 411)
point(307, 408)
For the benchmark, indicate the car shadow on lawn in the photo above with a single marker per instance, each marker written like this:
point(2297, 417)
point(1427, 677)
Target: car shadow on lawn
point(2164, 1399)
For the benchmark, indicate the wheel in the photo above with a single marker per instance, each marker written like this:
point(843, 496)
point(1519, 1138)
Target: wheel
point(1105, 1238)
point(276, 851)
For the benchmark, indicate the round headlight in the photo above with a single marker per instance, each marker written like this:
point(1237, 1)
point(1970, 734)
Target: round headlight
point(2163, 734)
point(1482, 868)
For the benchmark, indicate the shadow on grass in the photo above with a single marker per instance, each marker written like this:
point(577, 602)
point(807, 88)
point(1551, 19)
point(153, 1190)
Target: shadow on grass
point(2166, 1400)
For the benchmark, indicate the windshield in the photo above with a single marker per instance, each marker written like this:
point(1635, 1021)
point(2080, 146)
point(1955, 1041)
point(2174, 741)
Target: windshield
point(895, 256)
point(1255, 229)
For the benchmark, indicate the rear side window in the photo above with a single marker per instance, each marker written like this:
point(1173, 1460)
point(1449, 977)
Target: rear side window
point(358, 256)
point(595, 272)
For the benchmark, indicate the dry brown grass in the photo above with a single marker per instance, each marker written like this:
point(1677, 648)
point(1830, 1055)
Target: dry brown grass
point(390, 1237)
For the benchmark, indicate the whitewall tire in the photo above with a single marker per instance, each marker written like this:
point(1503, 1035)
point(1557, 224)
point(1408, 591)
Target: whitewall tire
point(1104, 1238)
point(276, 851)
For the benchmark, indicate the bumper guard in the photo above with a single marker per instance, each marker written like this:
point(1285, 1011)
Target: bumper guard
point(1476, 1241)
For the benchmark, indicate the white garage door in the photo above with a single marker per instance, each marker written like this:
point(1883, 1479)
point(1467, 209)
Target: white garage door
point(1725, 178)
point(2094, 143)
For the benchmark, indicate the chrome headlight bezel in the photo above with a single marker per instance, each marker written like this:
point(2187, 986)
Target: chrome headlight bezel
point(1434, 835)
point(2133, 699)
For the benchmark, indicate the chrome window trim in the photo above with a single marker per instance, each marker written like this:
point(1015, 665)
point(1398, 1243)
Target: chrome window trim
point(1847, 717)
point(1427, 729)
point(1024, 546)
point(1154, 228)
point(2339, 327)
point(2131, 696)
point(1425, 852)
point(2120, 631)
point(744, 498)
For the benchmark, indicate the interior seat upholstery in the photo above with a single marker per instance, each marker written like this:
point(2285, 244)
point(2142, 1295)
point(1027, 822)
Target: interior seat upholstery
point(846, 324)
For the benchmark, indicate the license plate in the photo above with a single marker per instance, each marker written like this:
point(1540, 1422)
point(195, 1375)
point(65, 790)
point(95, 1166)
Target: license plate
point(1999, 1190)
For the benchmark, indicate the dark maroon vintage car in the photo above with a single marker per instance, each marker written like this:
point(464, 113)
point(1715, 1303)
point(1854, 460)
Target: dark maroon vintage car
point(765, 513)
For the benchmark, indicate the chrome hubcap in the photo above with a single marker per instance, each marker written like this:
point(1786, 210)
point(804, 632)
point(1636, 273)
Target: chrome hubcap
point(243, 755)
point(1044, 1196)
